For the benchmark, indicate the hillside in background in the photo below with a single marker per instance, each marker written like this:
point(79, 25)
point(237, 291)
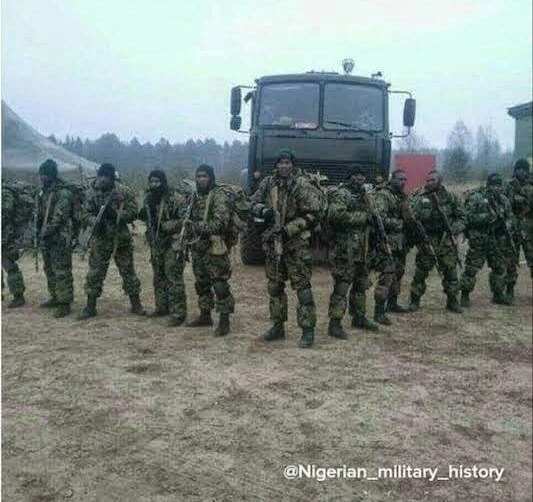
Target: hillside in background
point(25, 148)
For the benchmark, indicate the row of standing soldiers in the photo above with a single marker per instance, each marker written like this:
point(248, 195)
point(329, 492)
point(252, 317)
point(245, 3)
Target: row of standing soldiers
point(364, 230)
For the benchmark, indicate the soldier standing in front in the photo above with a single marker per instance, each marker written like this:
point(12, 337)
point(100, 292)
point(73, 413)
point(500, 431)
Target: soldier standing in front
point(110, 206)
point(291, 207)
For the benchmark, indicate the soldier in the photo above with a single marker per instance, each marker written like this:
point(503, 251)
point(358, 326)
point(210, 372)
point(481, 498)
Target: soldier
point(290, 206)
point(488, 216)
point(10, 253)
point(389, 201)
point(163, 210)
point(110, 206)
point(348, 218)
point(211, 218)
point(443, 218)
point(54, 226)
point(518, 192)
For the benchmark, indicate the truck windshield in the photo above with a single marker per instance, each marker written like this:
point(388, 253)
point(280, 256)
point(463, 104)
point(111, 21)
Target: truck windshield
point(292, 105)
point(353, 107)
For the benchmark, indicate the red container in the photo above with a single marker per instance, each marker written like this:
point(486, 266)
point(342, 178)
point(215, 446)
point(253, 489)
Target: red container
point(416, 168)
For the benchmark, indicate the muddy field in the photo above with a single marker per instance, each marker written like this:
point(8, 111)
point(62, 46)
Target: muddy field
point(123, 408)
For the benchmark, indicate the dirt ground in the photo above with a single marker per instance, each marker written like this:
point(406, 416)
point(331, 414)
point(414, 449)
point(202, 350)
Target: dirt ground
point(124, 408)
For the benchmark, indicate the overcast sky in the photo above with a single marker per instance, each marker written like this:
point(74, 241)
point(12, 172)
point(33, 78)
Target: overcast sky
point(165, 68)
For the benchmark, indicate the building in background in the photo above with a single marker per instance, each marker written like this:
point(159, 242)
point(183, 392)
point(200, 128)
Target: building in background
point(523, 136)
point(416, 167)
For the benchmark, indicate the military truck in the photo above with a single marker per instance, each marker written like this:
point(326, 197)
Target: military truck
point(331, 121)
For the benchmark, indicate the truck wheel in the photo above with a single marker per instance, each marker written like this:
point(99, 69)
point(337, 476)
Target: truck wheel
point(251, 246)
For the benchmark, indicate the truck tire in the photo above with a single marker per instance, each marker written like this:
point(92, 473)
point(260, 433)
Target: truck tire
point(251, 246)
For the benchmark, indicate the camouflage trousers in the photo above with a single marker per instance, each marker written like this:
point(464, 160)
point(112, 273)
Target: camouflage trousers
point(352, 277)
point(99, 259)
point(521, 243)
point(169, 286)
point(391, 271)
point(496, 252)
point(446, 264)
point(211, 274)
point(15, 281)
point(57, 265)
point(295, 266)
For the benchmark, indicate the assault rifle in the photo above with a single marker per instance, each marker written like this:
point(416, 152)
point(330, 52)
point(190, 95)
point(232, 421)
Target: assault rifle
point(501, 220)
point(378, 224)
point(85, 246)
point(182, 245)
point(435, 199)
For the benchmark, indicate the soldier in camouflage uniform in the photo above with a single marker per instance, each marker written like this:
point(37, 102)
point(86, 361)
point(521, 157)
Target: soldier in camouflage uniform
point(518, 192)
point(210, 221)
point(488, 217)
point(389, 201)
point(291, 207)
point(10, 253)
point(112, 239)
point(425, 205)
point(163, 210)
point(348, 218)
point(54, 206)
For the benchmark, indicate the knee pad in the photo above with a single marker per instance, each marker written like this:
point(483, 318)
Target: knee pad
point(305, 296)
point(221, 289)
point(276, 289)
point(341, 288)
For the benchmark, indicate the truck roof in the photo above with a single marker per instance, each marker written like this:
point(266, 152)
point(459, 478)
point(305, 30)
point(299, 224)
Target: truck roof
point(313, 76)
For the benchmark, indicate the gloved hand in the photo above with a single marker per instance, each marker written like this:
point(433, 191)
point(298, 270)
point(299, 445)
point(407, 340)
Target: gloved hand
point(268, 214)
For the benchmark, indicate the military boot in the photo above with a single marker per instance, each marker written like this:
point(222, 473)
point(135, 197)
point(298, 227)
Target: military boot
point(276, 332)
point(49, 304)
point(18, 301)
point(453, 305)
point(360, 321)
point(89, 310)
point(62, 310)
point(500, 299)
point(379, 314)
point(465, 299)
point(204, 319)
point(158, 312)
point(223, 327)
point(414, 304)
point(136, 305)
point(335, 329)
point(176, 320)
point(395, 307)
point(308, 336)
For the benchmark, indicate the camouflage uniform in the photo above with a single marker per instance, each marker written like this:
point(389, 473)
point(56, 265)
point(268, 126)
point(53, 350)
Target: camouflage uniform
point(10, 253)
point(299, 215)
point(210, 253)
point(348, 219)
point(110, 237)
point(388, 202)
point(487, 241)
point(426, 212)
point(165, 215)
point(520, 197)
point(54, 224)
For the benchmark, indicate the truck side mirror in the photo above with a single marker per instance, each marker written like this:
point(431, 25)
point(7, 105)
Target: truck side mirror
point(235, 122)
point(236, 98)
point(409, 112)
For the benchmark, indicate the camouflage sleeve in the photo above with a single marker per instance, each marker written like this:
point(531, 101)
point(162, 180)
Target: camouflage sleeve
point(142, 212)
point(90, 206)
point(177, 208)
point(383, 205)
point(219, 214)
point(259, 197)
point(339, 213)
point(8, 205)
point(131, 208)
point(458, 222)
point(62, 210)
point(310, 204)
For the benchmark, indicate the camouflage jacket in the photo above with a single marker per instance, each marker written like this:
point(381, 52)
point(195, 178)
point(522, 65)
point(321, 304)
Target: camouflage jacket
point(427, 213)
point(389, 204)
point(518, 195)
point(348, 221)
point(164, 218)
point(300, 212)
point(54, 212)
point(8, 216)
point(212, 210)
point(108, 228)
point(486, 213)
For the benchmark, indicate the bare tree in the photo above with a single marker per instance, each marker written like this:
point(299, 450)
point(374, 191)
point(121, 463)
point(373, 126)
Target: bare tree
point(458, 153)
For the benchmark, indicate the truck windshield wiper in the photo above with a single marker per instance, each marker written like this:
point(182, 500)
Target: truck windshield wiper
point(349, 126)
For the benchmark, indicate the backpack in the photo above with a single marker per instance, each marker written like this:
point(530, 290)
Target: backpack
point(322, 191)
point(24, 201)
